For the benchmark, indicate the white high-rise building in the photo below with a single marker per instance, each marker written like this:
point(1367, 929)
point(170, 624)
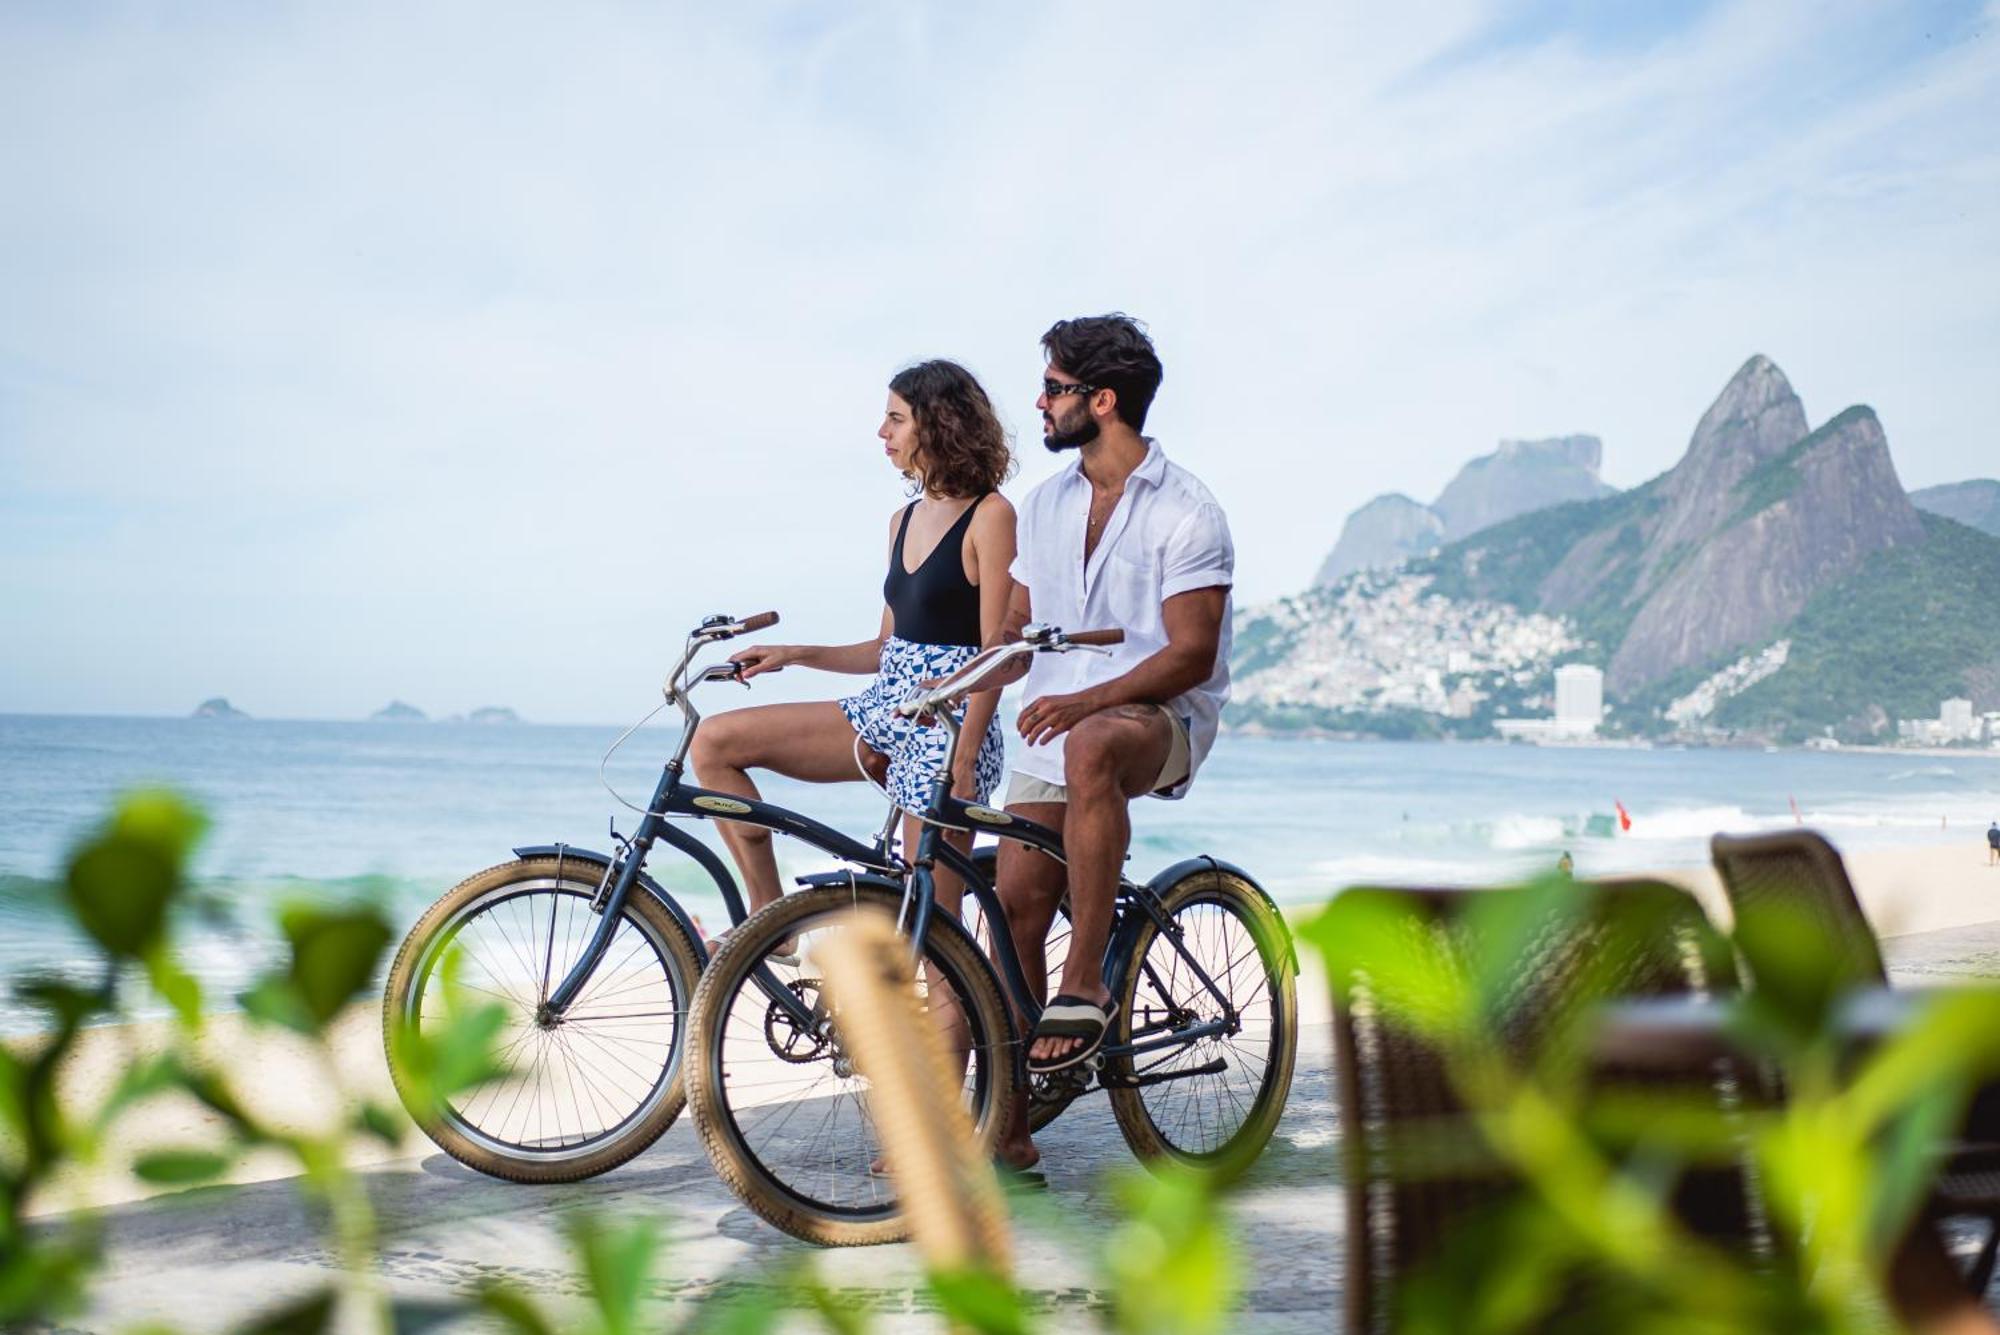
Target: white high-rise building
point(1579, 697)
point(1958, 720)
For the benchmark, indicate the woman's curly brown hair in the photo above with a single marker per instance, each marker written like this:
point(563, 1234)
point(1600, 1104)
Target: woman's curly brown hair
point(963, 446)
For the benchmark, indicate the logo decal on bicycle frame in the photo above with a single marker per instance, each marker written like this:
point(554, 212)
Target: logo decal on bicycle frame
point(988, 816)
point(726, 806)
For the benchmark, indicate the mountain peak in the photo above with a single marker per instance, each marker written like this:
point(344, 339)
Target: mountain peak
point(1756, 418)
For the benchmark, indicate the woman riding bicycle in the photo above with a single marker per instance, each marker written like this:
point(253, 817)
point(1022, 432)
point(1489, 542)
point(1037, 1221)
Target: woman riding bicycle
point(945, 596)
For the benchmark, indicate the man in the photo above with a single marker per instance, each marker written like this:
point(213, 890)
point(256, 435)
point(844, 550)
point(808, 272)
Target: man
point(1993, 843)
point(1122, 538)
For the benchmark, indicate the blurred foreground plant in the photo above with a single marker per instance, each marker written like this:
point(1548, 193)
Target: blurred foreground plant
point(121, 888)
point(1168, 1266)
point(1571, 1175)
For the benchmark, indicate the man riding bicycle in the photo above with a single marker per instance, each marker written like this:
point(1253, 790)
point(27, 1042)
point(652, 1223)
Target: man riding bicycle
point(1122, 538)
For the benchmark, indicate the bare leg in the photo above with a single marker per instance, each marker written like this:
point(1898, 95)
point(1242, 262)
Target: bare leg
point(949, 888)
point(1108, 759)
point(1031, 886)
point(813, 742)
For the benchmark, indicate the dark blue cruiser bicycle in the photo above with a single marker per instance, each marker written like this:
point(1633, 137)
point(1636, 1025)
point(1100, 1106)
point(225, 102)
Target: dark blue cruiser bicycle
point(1197, 1066)
point(594, 964)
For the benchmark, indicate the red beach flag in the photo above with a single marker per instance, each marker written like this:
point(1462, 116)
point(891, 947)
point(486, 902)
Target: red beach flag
point(1624, 816)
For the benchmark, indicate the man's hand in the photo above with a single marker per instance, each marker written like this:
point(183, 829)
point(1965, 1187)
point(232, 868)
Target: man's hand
point(761, 658)
point(1051, 716)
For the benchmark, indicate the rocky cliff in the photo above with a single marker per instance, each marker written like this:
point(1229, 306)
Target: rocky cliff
point(1976, 504)
point(1519, 477)
point(1386, 532)
point(1765, 532)
point(1793, 524)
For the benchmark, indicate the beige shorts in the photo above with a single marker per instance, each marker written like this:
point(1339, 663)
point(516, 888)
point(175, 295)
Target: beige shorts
point(1023, 789)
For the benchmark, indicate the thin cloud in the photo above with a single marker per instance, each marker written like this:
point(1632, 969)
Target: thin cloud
point(465, 354)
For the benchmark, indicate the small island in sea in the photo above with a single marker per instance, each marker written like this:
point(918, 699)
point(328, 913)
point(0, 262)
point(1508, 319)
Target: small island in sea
point(217, 707)
point(493, 714)
point(398, 712)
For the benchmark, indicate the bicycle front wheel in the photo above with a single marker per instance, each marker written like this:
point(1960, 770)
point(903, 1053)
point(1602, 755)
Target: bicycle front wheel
point(1210, 1015)
point(584, 1092)
point(780, 1105)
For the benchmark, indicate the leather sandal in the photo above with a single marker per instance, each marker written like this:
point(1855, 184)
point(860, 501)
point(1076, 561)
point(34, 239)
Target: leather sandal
point(1072, 1017)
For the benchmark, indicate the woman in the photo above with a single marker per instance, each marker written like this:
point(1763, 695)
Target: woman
point(945, 595)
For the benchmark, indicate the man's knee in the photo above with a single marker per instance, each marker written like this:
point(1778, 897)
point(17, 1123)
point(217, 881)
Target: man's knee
point(1095, 754)
point(1029, 881)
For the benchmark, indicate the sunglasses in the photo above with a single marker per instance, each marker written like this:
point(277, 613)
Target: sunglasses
point(1055, 389)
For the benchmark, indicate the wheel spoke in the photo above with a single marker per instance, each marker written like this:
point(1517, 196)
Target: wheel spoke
point(591, 1074)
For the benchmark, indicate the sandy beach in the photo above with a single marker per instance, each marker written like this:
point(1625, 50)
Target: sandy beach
point(204, 1257)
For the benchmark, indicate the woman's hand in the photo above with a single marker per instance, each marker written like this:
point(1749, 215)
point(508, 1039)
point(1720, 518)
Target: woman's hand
point(761, 658)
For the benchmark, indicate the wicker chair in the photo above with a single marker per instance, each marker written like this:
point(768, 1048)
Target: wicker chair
point(1801, 871)
point(1405, 1195)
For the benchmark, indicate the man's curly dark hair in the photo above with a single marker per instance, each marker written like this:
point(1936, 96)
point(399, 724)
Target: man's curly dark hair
point(964, 447)
point(1109, 352)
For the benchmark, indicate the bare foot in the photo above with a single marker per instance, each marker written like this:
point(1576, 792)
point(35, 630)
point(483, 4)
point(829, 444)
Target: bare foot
point(1054, 1049)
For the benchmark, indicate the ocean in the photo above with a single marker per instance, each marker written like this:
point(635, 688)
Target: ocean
point(402, 811)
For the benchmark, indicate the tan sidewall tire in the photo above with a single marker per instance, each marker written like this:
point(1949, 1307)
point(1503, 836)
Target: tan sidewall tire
point(581, 876)
point(751, 942)
point(1128, 1105)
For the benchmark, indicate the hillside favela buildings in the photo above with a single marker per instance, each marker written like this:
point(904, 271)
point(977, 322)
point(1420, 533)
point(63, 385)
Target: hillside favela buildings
point(1579, 709)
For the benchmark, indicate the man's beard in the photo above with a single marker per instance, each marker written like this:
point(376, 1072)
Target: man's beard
point(1074, 437)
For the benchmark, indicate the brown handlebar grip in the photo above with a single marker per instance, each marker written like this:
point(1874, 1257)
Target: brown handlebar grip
point(759, 622)
point(1094, 636)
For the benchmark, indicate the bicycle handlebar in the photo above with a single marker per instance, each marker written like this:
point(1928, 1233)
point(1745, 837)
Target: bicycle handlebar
point(759, 622)
point(1035, 639)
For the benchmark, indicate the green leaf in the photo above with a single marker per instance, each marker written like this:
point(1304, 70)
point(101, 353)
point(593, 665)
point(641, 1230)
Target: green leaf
point(1172, 1263)
point(380, 1122)
point(180, 1167)
point(334, 953)
point(617, 1263)
point(161, 819)
point(175, 985)
point(515, 1310)
point(980, 1300)
point(120, 884)
point(306, 1316)
point(138, 1082)
point(275, 1001)
point(66, 1003)
point(119, 892)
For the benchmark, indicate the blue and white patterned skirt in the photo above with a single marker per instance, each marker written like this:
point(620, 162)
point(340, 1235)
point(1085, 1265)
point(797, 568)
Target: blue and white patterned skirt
point(916, 752)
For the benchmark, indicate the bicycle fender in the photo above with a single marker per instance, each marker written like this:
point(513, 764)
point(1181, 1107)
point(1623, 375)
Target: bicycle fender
point(693, 847)
point(1190, 866)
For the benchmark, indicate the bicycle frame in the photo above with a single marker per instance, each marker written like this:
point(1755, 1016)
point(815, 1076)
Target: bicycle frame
point(674, 797)
point(947, 812)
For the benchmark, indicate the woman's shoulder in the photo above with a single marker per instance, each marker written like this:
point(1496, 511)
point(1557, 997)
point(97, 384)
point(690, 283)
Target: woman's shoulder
point(994, 508)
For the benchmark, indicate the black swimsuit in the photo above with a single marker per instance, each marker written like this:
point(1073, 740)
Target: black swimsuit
point(935, 603)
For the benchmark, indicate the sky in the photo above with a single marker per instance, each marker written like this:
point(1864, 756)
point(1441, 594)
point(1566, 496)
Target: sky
point(468, 353)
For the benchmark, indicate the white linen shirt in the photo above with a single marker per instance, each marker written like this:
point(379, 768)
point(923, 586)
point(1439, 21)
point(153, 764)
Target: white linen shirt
point(1166, 536)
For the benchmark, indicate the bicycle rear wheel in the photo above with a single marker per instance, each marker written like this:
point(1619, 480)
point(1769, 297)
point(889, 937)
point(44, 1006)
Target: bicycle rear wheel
point(1184, 1112)
point(779, 1104)
point(587, 1092)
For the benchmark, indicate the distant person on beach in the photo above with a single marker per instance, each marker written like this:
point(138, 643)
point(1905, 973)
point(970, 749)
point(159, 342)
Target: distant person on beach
point(1120, 538)
point(945, 598)
point(1993, 843)
point(1566, 866)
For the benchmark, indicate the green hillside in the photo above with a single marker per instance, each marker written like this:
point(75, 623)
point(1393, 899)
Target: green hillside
point(1508, 562)
point(1911, 627)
